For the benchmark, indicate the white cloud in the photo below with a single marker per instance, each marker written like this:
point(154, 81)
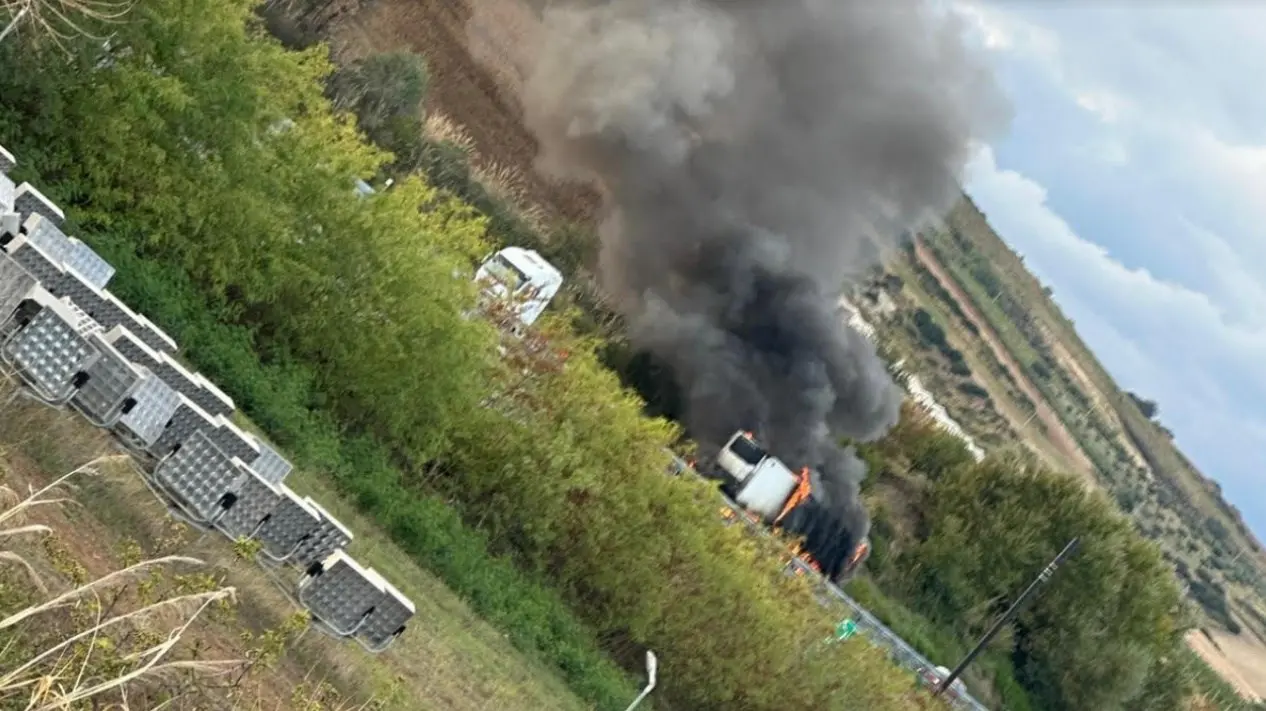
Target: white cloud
point(1104, 104)
point(1007, 32)
point(1002, 31)
point(1018, 210)
point(1238, 169)
point(1198, 64)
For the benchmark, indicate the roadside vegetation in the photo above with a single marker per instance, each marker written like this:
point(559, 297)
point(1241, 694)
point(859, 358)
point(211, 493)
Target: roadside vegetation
point(956, 541)
point(207, 163)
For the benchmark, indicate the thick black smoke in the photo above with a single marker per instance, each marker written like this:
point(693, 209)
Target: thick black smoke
point(757, 157)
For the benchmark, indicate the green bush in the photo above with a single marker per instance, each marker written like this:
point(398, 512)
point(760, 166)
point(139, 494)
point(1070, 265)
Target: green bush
point(974, 390)
point(931, 333)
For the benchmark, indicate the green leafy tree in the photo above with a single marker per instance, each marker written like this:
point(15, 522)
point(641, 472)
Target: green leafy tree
point(229, 164)
point(1090, 637)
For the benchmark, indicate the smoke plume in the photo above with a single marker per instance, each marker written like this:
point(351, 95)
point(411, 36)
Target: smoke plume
point(758, 156)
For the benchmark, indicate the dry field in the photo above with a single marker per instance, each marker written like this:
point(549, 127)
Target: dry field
point(448, 659)
point(476, 51)
point(1058, 434)
point(1240, 660)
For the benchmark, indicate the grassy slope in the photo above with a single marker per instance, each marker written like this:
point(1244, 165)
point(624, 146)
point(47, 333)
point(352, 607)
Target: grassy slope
point(449, 659)
point(1006, 399)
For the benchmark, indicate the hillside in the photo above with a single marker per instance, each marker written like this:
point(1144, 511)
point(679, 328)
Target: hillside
point(1068, 411)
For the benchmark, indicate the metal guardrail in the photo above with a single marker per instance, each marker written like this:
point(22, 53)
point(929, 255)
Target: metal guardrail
point(869, 626)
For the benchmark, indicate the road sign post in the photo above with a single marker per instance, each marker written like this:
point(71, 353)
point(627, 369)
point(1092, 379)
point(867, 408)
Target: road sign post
point(843, 631)
point(652, 671)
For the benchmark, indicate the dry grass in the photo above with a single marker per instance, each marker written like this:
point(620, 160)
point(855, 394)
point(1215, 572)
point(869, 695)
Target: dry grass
point(63, 649)
point(1236, 659)
point(61, 21)
point(476, 52)
point(449, 658)
point(439, 128)
point(506, 184)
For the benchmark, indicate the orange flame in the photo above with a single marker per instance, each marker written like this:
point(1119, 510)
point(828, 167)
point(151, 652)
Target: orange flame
point(798, 551)
point(802, 491)
point(862, 549)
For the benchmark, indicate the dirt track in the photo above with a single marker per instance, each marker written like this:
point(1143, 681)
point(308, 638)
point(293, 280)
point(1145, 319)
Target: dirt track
point(1242, 663)
point(1056, 432)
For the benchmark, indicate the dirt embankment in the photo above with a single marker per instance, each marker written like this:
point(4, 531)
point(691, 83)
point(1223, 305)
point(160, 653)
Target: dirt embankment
point(1056, 432)
point(476, 52)
point(1238, 660)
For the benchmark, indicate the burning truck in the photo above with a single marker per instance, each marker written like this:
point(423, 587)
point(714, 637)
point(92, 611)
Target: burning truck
point(778, 153)
point(768, 491)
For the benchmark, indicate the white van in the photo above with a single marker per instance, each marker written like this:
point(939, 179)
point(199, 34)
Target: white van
point(523, 276)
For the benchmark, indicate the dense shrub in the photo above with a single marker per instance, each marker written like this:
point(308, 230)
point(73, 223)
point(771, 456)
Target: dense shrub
point(931, 333)
point(281, 397)
point(973, 389)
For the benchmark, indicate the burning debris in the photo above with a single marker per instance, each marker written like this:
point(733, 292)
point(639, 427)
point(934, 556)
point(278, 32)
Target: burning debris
point(749, 149)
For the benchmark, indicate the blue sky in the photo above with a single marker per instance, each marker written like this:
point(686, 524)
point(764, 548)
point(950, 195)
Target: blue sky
point(1133, 180)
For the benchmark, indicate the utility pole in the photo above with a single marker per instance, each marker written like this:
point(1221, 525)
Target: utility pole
point(1042, 577)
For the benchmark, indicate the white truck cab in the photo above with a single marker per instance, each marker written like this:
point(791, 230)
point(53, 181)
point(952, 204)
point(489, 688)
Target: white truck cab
point(758, 482)
point(523, 276)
